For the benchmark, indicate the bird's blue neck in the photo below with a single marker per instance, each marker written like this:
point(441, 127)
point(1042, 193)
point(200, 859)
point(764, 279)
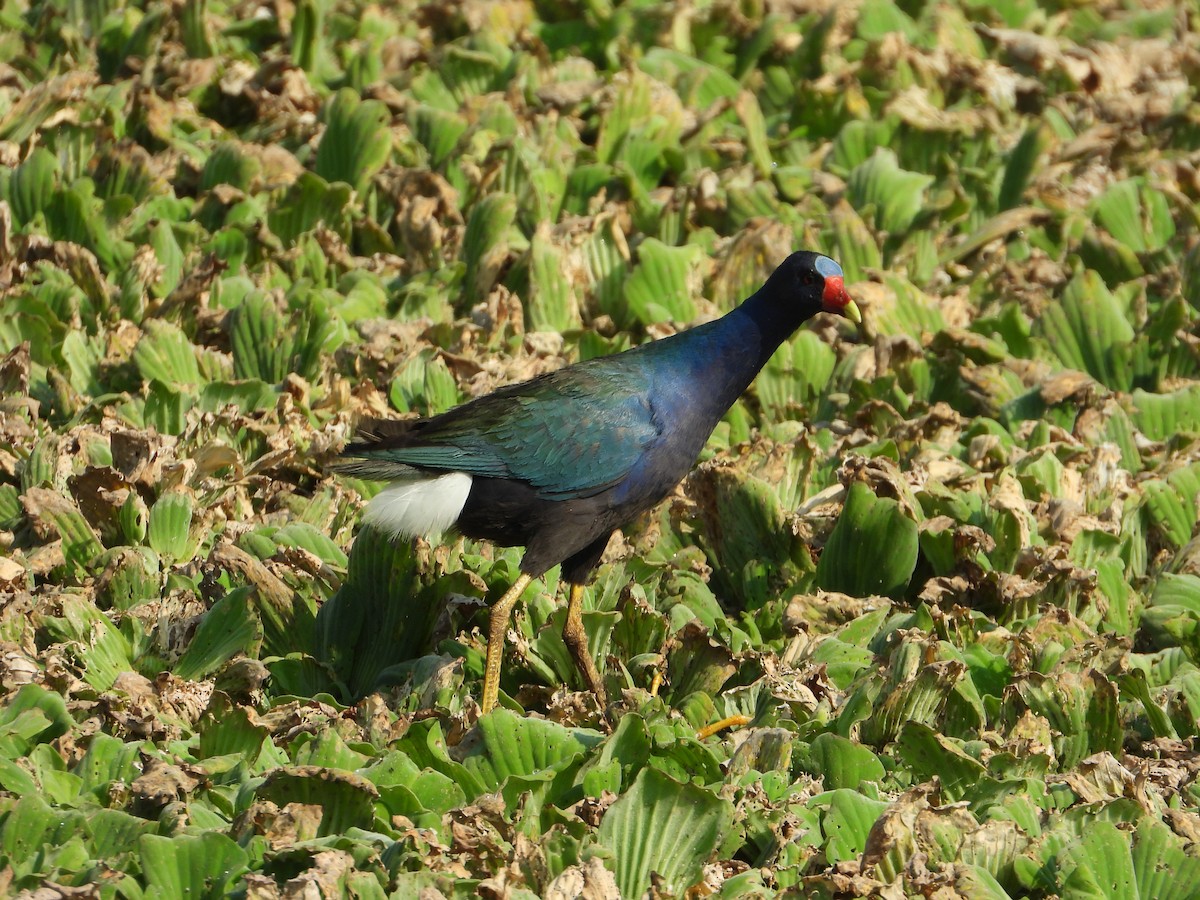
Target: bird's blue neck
point(769, 320)
point(717, 361)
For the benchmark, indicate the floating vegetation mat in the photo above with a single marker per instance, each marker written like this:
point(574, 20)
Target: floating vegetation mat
point(925, 621)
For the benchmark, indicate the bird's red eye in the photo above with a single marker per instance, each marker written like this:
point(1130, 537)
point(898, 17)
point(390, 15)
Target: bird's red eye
point(808, 279)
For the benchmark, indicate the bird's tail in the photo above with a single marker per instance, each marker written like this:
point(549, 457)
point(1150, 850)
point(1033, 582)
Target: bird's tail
point(376, 469)
point(362, 457)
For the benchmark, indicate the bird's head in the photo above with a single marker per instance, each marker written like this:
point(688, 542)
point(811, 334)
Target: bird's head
point(819, 283)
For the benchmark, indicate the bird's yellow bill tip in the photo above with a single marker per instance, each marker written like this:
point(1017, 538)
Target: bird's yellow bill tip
point(851, 312)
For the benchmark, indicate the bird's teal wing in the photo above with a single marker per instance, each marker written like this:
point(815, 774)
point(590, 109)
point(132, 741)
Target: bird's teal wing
point(571, 433)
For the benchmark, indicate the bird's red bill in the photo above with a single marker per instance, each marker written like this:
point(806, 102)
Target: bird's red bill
point(835, 296)
point(835, 299)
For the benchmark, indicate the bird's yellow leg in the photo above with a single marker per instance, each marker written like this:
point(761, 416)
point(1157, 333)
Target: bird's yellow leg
point(576, 640)
point(497, 626)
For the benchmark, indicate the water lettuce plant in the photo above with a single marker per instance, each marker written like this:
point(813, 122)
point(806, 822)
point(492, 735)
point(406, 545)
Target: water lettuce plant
point(926, 619)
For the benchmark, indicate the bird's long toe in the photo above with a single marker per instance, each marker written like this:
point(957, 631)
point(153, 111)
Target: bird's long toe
point(575, 637)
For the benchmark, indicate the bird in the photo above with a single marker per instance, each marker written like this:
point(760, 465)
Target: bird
point(557, 463)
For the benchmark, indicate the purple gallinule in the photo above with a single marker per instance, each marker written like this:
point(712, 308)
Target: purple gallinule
point(557, 463)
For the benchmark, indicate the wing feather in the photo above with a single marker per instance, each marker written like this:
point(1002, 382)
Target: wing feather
point(571, 433)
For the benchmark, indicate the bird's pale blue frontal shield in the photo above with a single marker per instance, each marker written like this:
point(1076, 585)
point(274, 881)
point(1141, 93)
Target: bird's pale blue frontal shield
point(827, 268)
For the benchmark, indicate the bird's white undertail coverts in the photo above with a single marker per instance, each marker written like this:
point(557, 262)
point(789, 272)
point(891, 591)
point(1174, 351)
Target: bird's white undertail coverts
point(420, 505)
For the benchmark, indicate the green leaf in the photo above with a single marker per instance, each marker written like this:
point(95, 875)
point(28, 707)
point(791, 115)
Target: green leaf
point(256, 336)
point(1022, 160)
point(843, 764)
point(83, 357)
point(30, 824)
point(550, 651)
point(424, 384)
point(879, 18)
point(606, 260)
point(1103, 865)
point(796, 374)
point(1177, 590)
point(1135, 683)
point(1159, 416)
point(471, 71)
point(166, 408)
point(356, 142)
point(32, 186)
point(108, 759)
point(382, 615)
point(1080, 712)
point(102, 650)
point(631, 109)
point(1088, 331)
point(316, 337)
point(662, 285)
point(485, 244)
point(928, 753)
point(425, 745)
point(1162, 868)
point(201, 866)
point(227, 164)
point(170, 525)
point(622, 755)
point(896, 196)
point(230, 627)
point(851, 561)
point(426, 790)
point(437, 130)
point(507, 745)
point(1172, 512)
point(665, 827)
point(80, 545)
point(846, 823)
point(906, 310)
point(115, 834)
point(842, 661)
point(347, 800)
point(306, 34)
point(326, 749)
point(857, 248)
point(170, 258)
point(312, 539)
point(1136, 215)
point(751, 115)
point(165, 354)
point(11, 513)
point(551, 305)
point(856, 141)
point(132, 575)
point(309, 202)
point(32, 716)
point(249, 396)
point(744, 532)
point(698, 83)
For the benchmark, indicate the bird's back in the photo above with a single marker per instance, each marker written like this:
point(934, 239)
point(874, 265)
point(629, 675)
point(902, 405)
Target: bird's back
point(568, 434)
